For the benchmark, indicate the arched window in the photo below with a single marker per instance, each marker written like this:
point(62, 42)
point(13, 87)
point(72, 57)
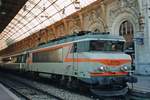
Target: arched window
point(126, 30)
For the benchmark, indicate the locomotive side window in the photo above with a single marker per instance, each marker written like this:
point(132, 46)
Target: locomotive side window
point(48, 56)
point(82, 46)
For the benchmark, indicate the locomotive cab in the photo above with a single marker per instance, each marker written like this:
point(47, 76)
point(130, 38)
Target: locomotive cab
point(102, 63)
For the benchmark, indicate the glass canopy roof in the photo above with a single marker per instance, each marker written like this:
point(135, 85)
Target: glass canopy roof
point(38, 14)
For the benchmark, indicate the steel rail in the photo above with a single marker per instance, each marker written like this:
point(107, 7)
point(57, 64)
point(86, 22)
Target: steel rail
point(27, 87)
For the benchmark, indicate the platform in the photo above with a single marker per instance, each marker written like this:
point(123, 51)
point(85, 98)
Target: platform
point(5, 94)
point(143, 83)
point(141, 88)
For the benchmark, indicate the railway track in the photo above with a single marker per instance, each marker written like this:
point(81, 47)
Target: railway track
point(26, 91)
point(32, 90)
point(53, 88)
point(44, 89)
point(23, 88)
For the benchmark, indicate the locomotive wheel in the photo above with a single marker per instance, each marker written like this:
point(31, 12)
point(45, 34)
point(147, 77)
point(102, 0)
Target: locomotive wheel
point(75, 84)
point(111, 91)
point(69, 85)
point(63, 82)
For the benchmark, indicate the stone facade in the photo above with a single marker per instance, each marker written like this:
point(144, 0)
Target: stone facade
point(143, 51)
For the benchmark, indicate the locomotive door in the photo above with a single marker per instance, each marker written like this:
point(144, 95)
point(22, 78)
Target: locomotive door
point(29, 61)
point(75, 59)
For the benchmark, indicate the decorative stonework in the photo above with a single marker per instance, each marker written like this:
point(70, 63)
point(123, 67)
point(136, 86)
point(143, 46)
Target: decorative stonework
point(120, 11)
point(92, 16)
point(60, 30)
point(121, 6)
point(127, 3)
point(96, 26)
point(74, 27)
point(94, 22)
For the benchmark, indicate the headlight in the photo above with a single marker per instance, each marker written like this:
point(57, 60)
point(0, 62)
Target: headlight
point(125, 68)
point(102, 68)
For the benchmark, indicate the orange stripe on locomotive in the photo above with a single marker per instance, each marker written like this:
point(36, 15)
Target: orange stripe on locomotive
point(107, 62)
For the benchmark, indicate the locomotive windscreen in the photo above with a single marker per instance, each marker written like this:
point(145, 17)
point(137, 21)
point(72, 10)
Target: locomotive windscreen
point(98, 45)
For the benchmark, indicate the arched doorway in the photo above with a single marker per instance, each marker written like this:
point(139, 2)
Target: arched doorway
point(127, 31)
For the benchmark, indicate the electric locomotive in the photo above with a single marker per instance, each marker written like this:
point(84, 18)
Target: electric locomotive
point(94, 59)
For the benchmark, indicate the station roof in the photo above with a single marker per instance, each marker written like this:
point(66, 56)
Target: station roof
point(33, 16)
